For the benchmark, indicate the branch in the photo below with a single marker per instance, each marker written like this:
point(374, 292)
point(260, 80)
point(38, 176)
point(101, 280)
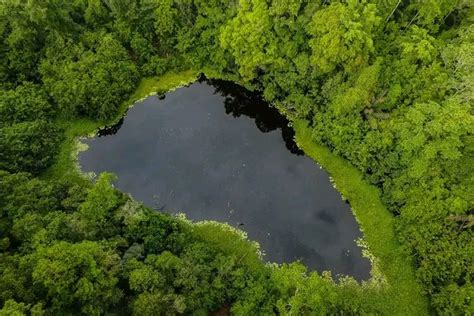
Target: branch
point(393, 11)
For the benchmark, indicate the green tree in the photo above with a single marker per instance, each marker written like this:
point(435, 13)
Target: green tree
point(83, 275)
point(343, 36)
point(96, 83)
point(28, 146)
point(248, 38)
point(28, 102)
point(96, 212)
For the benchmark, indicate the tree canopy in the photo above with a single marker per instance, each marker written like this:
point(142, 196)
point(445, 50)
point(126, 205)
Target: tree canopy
point(386, 85)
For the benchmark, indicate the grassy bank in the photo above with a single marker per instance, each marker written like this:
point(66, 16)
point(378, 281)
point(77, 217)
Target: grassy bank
point(400, 294)
point(65, 165)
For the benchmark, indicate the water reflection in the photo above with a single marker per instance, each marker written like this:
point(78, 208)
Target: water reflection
point(240, 101)
point(111, 129)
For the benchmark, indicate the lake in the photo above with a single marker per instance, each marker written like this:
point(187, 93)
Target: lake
point(215, 151)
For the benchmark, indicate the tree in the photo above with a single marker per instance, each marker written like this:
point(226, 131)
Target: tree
point(28, 102)
point(28, 146)
point(343, 36)
point(22, 41)
point(387, 85)
point(83, 275)
point(12, 308)
point(96, 212)
point(96, 83)
point(248, 38)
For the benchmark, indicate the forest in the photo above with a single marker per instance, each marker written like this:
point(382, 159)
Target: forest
point(385, 86)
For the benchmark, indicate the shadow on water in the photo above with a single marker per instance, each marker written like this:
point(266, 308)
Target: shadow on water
point(240, 101)
point(111, 129)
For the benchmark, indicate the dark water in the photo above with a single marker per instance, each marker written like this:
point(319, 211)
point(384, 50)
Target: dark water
point(215, 151)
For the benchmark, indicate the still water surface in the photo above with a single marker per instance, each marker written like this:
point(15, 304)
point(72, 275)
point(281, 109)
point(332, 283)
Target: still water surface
point(216, 151)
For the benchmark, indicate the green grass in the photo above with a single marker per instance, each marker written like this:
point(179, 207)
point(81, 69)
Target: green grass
point(160, 84)
point(228, 239)
point(65, 165)
point(393, 277)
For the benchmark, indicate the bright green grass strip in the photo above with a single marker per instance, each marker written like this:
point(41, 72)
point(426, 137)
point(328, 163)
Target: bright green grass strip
point(228, 239)
point(160, 84)
point(65, 166)
point(401, 295)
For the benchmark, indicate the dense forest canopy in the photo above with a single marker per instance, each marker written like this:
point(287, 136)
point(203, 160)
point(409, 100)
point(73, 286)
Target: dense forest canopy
point(387, 85)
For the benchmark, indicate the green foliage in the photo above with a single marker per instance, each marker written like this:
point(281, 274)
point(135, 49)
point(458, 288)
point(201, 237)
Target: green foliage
point(166, 19)
point(95, 211)
point(27, 102)
point(20, 195)
point(158, 263)
point(28, 146)
point(249, 39)
point(83, 274)
point(342, 35)
point(387, 85)
point(356, 96)
point(21, 40)
point(12, 308)
point(91, 82)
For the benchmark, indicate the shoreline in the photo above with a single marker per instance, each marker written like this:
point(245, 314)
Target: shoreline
point(392, 273)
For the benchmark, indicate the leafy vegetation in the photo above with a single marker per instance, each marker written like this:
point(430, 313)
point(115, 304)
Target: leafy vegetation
point(380, 93)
